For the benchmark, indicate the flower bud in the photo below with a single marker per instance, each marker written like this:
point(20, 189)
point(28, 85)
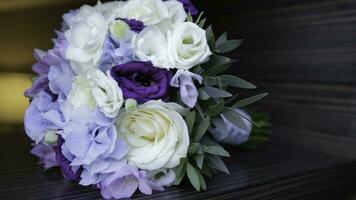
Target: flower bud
point(119, 29)
point(51, 137)
point(130, 105)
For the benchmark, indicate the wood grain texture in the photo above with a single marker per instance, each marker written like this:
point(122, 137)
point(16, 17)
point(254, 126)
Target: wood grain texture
point(304, 54)
point(283, 170)
point(301, 51)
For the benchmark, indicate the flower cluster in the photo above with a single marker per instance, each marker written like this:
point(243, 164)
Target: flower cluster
point(127, 95)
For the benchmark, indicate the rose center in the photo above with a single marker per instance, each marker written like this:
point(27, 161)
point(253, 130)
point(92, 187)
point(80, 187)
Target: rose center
point(143, 80)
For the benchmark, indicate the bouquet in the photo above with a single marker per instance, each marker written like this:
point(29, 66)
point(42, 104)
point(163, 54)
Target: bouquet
point(133, 97)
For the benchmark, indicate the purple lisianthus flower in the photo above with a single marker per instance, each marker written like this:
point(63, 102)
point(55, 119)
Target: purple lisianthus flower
point(64, 163)
point(189, 7)
point(115, 53)
point(233, 134)
point(46, 155)
point(142, 81)
point(135, 25)
point(184, 80)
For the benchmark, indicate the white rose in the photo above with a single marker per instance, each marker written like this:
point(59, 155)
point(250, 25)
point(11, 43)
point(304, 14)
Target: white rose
point(156, 133)
point(109, 9)
point(176, 12)
point(148, 11)
point(108, 96)
point(151, 45)
point(85, 37)
point(81, 94)
point(188, 46)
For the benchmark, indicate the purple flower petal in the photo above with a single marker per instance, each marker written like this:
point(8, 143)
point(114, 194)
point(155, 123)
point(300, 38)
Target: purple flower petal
point(142, 81)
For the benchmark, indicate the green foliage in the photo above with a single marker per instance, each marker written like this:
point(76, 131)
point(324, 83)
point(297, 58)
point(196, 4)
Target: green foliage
point(235, 81)
point(193, 176)
point(210, 37)
point(202, 128)
point(216, 109)
point(259, 135)
point(213, 92)
point(215, 101)
point(216, 65)
point(217, 150)
point(249, 101)
point(235, 118)
point(223, 45)
point(190, 119)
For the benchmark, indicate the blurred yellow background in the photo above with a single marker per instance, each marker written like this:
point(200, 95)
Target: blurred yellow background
point(24, 26)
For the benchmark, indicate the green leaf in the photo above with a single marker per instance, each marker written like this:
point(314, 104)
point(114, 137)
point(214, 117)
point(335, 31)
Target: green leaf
point(202, 23)
point(217, 150)
point(218, 69)
point(219, 124)
point(216, 109)
point(249, 100)
point(218, 164)
point(201, 181)
point(206, 171)
point(180, 171)
point(190, 119)
point(193, 176)
point(217, 60)
point(235, 81)
point(192, 148)
point(199, 17)
point(222, 39)
point(203, 95)
point(200, 149)
point(216, 92)
point(228, 46)
point(211, 37)
point(189, 17)
point(199, 160)
point(202, 128)
point(235, 118)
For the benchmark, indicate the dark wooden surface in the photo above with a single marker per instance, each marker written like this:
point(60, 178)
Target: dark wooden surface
point(301, 51)
point(282, 170)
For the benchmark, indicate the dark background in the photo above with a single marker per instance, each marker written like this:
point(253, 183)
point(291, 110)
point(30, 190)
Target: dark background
point(303, 52)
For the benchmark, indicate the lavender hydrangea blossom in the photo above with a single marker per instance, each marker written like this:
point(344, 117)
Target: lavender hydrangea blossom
point(46, 155)
point(115, 53)
point(72, 174)
point(43, 115)
point(91, 142)
point(234, 135)
point(45, 60)
point(123, 183)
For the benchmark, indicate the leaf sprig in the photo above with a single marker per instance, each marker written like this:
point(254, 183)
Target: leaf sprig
point(215, 100)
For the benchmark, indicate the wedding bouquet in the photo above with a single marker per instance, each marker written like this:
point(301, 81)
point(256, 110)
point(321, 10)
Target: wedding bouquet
point(132, 96)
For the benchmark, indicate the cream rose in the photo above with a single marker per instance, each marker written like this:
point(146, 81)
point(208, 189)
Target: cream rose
point(108, 96)
point(151, 45)
point(188, 46)
point(80, 94)
point(85, 36)
point(148, 11)
point(156, 133)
